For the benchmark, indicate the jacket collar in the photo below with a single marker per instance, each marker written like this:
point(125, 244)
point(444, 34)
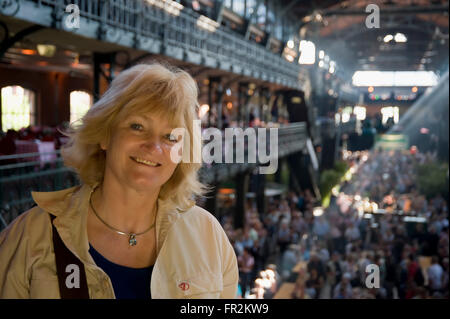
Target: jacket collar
point(70, 206)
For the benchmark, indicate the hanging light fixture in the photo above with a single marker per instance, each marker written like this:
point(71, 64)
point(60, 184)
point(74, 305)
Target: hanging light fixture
point(47, 50)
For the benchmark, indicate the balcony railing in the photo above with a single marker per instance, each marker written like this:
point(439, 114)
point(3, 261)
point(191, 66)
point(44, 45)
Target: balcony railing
point(25, 173)
point(143, 26)
point(291, 138)
point(328, 128)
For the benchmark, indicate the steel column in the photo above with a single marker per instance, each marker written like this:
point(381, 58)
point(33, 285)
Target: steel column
point(241, 180)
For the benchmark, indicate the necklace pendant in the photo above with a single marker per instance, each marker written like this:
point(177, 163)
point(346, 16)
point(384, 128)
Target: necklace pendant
point(132, 240)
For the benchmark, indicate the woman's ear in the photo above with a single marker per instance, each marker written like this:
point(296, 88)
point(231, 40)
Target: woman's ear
point(103, 145)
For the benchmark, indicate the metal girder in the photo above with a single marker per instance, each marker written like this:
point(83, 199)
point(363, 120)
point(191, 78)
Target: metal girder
point(366, 44)
point(267, 46)
point(231, 80)
point(9, 42)
point(249, 22)
point(212, 79)
point(99, 59)
point(345, 34)
point(138, 59)
point(386, 11)
point(200, 71)
point(220, 13)
point(288, 7)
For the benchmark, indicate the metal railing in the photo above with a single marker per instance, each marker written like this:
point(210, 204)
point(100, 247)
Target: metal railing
point(141, 25)
point(291, 139)
point(328, 128)
point(20, 174)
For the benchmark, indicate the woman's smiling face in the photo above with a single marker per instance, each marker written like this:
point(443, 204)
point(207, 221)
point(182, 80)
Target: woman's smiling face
point(138, 153)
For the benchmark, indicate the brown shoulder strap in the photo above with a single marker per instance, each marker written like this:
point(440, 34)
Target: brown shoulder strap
point(64, 258)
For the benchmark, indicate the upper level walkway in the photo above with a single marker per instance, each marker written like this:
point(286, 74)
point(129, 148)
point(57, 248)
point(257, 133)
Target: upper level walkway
point(156, 27)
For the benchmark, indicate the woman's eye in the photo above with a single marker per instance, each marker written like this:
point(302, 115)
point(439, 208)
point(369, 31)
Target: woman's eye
point(136, 126)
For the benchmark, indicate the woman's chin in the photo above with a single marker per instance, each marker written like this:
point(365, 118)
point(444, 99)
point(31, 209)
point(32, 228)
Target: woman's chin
point(145, 183)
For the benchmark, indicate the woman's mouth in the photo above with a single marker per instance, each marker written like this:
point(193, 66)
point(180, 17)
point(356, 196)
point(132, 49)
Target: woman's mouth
point(145, 162)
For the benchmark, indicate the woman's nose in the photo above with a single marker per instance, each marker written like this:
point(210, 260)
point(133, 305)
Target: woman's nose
point(152, 145)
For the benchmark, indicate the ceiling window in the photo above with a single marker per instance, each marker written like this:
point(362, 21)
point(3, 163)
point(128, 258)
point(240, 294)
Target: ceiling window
point(394, 78)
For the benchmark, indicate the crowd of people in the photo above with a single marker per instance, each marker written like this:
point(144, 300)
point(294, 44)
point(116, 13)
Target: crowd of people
point(379, 238)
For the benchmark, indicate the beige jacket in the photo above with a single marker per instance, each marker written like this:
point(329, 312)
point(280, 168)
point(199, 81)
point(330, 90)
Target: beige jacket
point(195, 258)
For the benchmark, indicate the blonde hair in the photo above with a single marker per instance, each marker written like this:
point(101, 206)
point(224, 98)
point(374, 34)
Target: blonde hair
point(162, 90)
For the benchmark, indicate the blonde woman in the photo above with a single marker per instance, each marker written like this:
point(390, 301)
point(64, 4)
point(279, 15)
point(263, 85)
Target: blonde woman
point(131, 229)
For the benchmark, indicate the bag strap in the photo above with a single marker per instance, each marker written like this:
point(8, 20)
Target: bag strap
point(64, 257)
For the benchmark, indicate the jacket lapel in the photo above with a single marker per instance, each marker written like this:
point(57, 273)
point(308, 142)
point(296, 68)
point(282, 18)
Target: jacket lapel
point(166, 217)
point(70, 206)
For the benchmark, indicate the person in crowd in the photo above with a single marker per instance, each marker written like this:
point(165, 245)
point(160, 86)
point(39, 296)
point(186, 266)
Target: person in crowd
point(283, 236)
point(317, 264)
point(299, 291)
point(399, 243)
point(290, 259)
point(435, 276)
point(247, 241)
point(445, 277)
point(8, 146)
point(343, 289)
point(314, 284)
point(321, 227)
point(246, 264)
point(431, 243)
point(352, 232)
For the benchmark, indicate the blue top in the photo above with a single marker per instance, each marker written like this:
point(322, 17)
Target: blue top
point(128, 283)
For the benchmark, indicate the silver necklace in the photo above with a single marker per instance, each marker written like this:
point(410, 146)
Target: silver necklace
point(132, 241)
